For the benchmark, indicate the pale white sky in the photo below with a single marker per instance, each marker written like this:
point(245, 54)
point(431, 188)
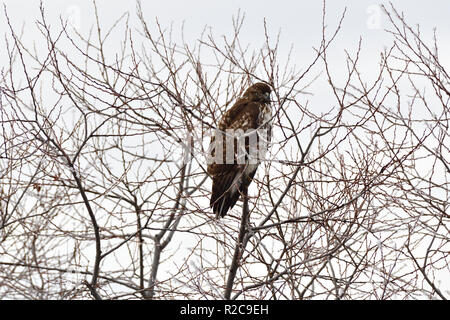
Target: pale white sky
point(298, 21)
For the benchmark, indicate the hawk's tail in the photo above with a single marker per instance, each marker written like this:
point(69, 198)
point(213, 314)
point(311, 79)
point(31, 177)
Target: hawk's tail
point(226, 190)
point(224, 194)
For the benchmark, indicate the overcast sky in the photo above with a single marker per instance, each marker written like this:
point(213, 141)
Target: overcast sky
point(299, 22)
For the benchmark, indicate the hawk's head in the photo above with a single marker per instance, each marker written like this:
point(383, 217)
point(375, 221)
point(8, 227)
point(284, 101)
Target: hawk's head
point(259, 92)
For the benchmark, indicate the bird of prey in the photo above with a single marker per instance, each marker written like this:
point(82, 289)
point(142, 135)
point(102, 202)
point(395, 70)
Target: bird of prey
point(238, 146)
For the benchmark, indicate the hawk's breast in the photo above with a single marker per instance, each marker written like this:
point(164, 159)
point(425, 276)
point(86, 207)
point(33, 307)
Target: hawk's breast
point(264, 131)
point(265, 117)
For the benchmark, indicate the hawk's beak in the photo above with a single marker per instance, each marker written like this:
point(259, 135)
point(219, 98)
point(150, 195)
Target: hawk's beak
point(267, 97)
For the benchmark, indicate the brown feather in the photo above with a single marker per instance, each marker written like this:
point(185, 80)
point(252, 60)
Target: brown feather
point(222, 197)
point(245, 114)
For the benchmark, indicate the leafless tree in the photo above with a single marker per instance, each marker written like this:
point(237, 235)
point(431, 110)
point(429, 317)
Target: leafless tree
point(104, 192)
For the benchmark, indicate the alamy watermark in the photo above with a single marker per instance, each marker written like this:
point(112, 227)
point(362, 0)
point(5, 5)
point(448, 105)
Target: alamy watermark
point(231, 146)
point(236, 146)
point(373, 21)
point(73, 16)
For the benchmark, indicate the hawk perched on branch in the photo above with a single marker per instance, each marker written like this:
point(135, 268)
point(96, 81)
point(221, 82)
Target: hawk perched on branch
point(238, 147)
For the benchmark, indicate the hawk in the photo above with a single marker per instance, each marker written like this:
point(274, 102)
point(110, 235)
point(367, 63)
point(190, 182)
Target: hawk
point(238, 146)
